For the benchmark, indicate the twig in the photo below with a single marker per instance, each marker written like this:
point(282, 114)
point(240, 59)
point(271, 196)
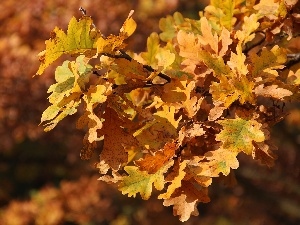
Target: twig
point(82, 10)
point(84, 13)
point(124, 55)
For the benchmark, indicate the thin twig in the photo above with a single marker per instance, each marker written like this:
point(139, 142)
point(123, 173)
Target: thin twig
point(82, 10)
point(124, 55)
point(84, 13)
point(147, 67)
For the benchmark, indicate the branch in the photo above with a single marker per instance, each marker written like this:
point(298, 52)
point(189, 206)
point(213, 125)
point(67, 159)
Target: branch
point(292, 59)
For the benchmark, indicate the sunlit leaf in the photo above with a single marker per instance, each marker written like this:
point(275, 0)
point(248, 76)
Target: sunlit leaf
point(238, 134)
point(142, 182)
point(78, 39)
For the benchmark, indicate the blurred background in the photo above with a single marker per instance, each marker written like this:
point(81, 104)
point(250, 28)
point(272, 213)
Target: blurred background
point(42, 178)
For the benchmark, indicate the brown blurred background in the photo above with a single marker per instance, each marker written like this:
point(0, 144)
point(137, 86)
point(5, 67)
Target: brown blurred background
point(42, 178)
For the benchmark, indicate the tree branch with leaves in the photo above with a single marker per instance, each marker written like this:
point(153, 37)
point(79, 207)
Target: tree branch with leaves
point(177, 115)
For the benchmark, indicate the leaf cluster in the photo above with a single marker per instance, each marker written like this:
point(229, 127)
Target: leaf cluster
point(176, 116)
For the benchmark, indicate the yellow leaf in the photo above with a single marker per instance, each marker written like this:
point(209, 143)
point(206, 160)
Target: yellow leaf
point(69, 109)
point(50, 113)
point(167, 114)
point(207, 37)
point(152, 49)
point(110, 45)
point(168, 26)
point(225, 40)
point(129, 26)
point(77, 40)
point(294, 77)
point(230, 90)
point(130, 69)
point(268, 61)
point(175, 91)
point(249, 26)
point(66, 94)
point(222, 12)
point(176, 182)
point(188, 44)
point(237, 62)
point(113, 43)
point(156, 133)
point(218, 161)
point(141, 182)
point(164, 59)
point(215, 63)
point(238, 134)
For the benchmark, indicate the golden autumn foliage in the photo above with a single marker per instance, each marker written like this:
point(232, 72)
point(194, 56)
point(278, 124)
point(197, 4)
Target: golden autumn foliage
point(177, 115)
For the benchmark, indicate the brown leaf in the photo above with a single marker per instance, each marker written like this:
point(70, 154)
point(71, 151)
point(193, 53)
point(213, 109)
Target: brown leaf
point(116, 139)
point(153, 162)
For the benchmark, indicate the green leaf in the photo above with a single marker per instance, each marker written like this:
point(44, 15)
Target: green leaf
point(66, 94)
point(168, 26)
point(152, 49)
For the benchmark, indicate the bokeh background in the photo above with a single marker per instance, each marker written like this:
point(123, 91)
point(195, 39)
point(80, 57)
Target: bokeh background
point(42, 178)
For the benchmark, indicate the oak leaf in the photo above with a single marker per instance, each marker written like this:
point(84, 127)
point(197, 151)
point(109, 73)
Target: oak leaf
point(78, 39)
point(168, 26)
point(222, 13)
point(96, 95)
point(175, 180)
point(268, 61)
point(264, 153)
point(185, 200)
point(116, 139)
point(294, 77)
point(153, 162)
point(141, 182)
point(154, 134)
point(65, 96)
point(238, 134)
point(129, 26)
point(267, 8)
point(207, 37)
point(272, 91)
point(249, 26)
point(130, 69)
point(218, 161)
point(230, 90)
point(114, 43)
point(152, 49)
point(237, 62)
